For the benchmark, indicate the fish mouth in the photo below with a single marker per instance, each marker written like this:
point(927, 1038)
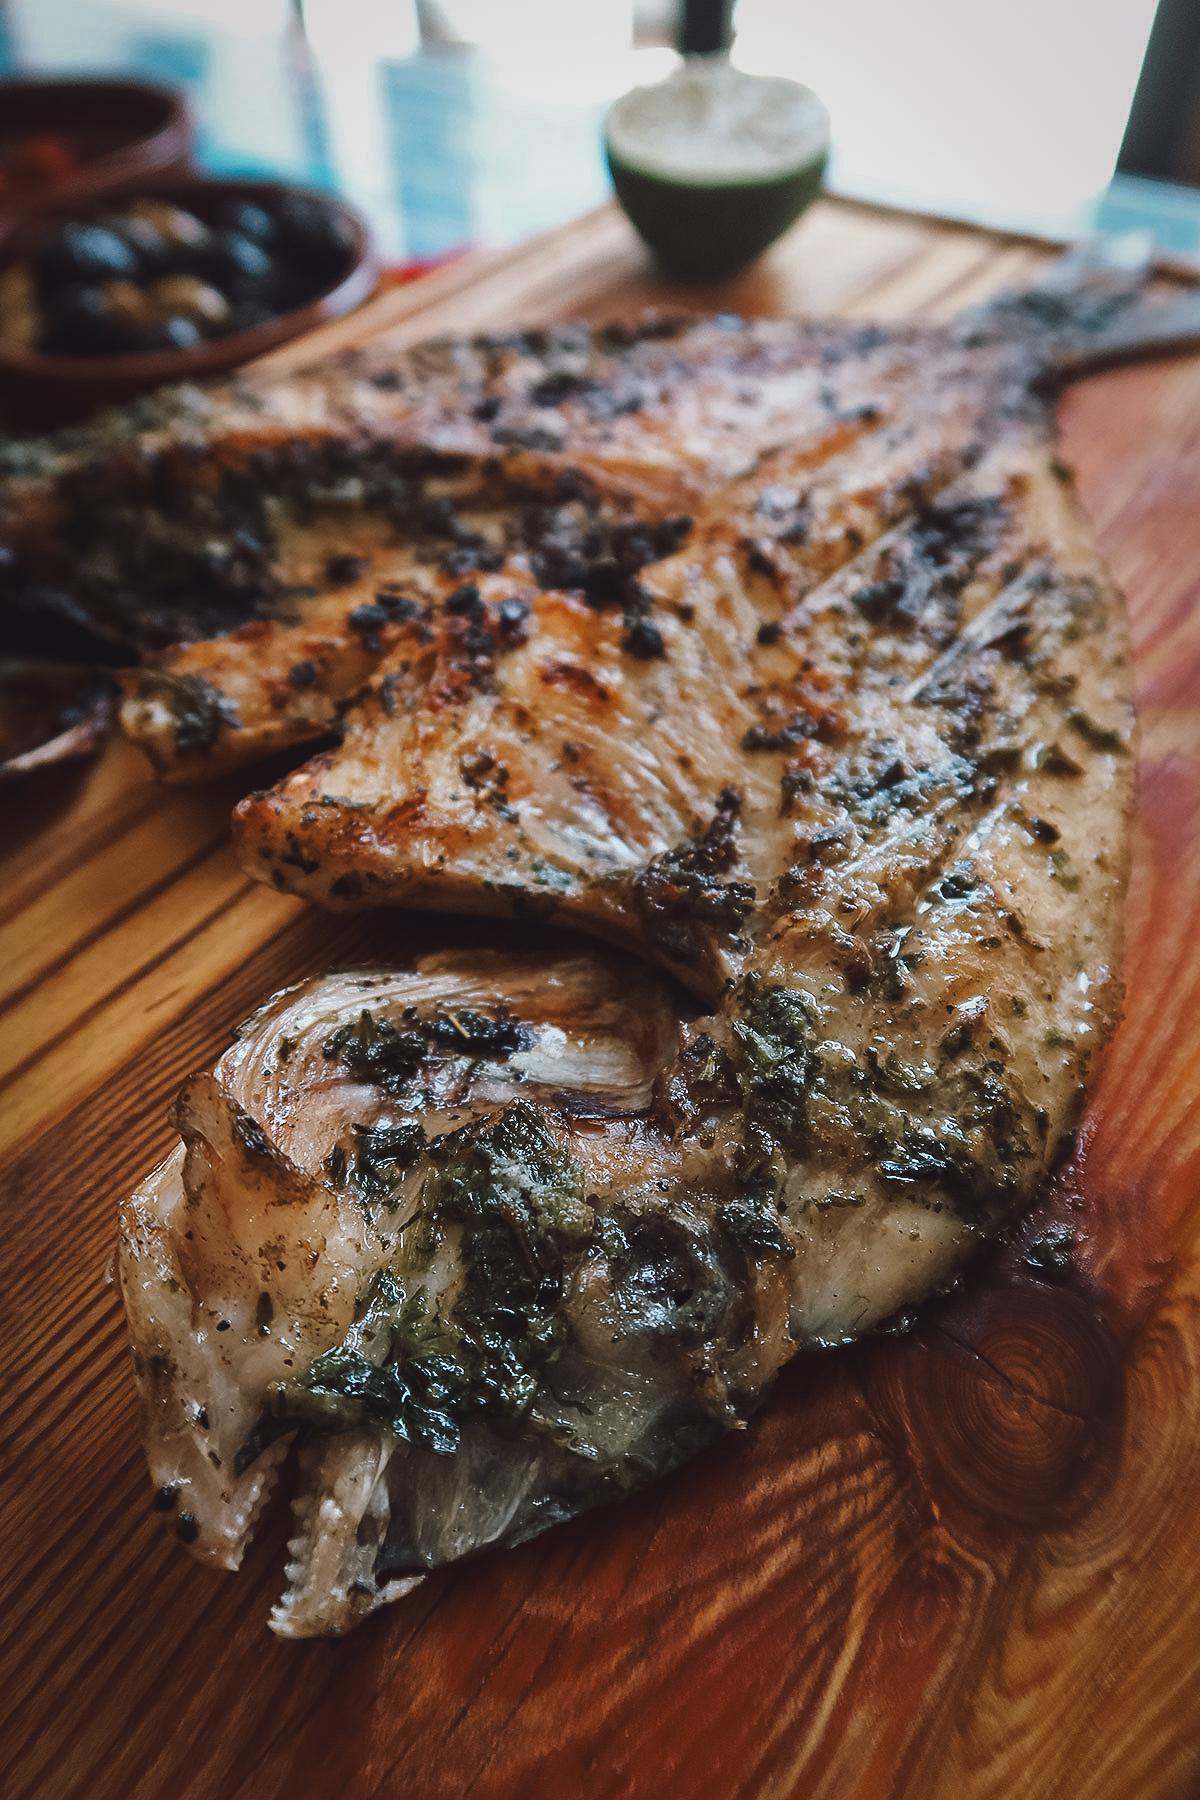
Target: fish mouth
point(428, 1208)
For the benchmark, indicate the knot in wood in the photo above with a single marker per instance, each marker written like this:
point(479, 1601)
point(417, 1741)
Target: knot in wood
point(1012, 1403)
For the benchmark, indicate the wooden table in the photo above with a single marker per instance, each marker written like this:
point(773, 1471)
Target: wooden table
point(813, 1608)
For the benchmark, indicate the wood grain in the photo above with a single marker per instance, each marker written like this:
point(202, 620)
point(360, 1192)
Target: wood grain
point(839, 1602)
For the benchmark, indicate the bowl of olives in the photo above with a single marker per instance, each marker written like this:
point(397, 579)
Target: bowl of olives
point(99, 303)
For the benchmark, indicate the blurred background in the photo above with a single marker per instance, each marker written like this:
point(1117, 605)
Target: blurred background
point(456, 123)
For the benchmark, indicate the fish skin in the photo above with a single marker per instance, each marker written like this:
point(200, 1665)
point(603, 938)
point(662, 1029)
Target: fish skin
point(866, 801)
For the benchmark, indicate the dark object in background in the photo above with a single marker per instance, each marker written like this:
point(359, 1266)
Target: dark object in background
point(312, 234)
point(705, 27)
point(174, 283)
point(1162, 137)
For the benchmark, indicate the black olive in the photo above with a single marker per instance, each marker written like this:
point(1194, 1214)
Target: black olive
point(244, 315)
point(81, 322)
point(244, 255)
point(175, 333)
point(146, 241)
point(294, 286)
point(232, 261)
point(314, 237)
point(86, 253)
point(249, 221)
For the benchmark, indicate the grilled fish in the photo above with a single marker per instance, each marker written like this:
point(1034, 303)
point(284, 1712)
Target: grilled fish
point(842, 756)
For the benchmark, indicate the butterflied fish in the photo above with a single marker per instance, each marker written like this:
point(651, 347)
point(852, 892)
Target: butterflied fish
point(845, 750)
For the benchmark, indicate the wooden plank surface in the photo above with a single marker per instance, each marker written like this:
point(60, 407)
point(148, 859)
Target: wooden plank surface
point(833, 1603)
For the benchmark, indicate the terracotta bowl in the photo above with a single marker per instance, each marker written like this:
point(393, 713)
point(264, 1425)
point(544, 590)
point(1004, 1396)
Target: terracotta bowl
point(39, 392)
point(120, 132)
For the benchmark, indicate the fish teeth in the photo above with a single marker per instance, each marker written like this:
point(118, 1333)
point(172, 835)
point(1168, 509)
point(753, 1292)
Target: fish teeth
point(341, 1511)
